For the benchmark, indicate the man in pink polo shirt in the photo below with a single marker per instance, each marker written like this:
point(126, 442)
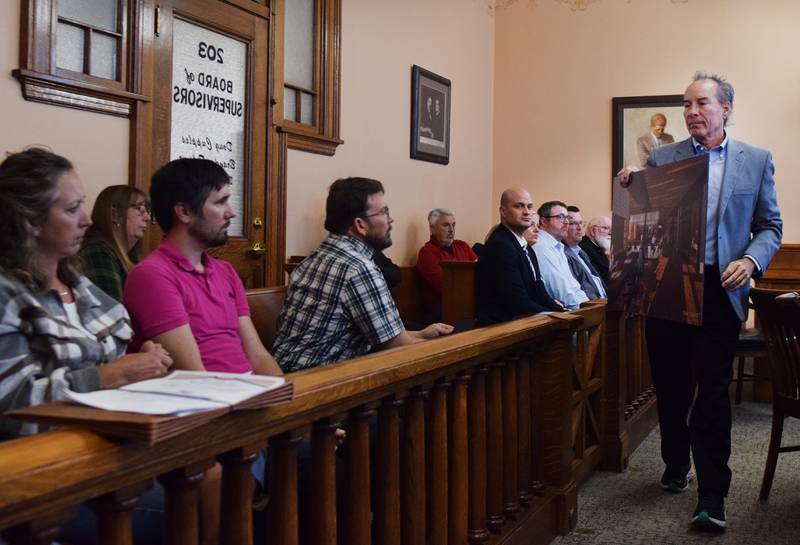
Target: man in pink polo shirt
point(179, 296)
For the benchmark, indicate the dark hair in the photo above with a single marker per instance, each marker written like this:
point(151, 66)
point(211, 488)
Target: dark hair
point(110, 221)
point(547, 207)
point(347, 200)
point(574, 209)
point(187, 181)
point(28, 182)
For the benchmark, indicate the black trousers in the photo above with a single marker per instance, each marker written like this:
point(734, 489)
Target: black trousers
point(677, 353)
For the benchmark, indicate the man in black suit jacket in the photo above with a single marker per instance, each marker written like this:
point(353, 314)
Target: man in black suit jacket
point(596, 243)
point(508, 282)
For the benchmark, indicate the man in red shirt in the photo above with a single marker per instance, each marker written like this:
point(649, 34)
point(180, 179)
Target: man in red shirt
point(442, 246)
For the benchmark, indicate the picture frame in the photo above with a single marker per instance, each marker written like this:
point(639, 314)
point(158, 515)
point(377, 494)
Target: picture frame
point(631, 127)
point(430, 116)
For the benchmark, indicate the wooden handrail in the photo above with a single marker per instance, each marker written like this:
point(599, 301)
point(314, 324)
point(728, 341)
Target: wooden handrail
point(58, 470)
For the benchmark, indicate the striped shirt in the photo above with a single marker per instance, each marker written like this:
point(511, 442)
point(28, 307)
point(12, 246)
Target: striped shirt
point(337, 307)
point(42, 353)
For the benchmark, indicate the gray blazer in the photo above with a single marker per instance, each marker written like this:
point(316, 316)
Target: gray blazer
point(747, 193)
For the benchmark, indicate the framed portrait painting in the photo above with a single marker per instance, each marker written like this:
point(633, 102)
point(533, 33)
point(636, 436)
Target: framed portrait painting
point(430, 116)
point(643, 123)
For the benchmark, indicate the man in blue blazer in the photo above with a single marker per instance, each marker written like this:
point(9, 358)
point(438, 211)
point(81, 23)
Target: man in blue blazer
point(508, 282)
point(743, 232)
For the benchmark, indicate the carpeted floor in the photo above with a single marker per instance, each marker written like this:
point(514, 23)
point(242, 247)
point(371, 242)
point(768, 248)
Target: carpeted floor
point(631, 509)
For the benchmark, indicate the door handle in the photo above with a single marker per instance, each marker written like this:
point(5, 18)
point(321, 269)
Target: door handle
point(257, 250)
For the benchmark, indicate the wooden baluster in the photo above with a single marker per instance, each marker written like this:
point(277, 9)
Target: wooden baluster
point(457, 495)
point(114, 513)
point(494, 454)
point(357, 511)
point(510, 481)
point(537, 484)
point(556, 364)
point(41, 531)
point(478, 531)
point(236, 522)
point(524, 429)
point(181, 518)
point(436, 452)
point(413, 481)
point(323, 482)
point(282, 488)
point(387, 502)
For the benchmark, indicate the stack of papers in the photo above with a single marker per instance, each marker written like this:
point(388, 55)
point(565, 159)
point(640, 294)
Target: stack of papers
point(154, 410)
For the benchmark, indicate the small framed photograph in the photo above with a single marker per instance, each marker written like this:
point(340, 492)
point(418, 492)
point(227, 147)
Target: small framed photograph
point(430, 116)
point(643, 123)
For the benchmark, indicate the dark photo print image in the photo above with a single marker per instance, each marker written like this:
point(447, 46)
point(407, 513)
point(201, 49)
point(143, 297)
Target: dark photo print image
point(657, 242)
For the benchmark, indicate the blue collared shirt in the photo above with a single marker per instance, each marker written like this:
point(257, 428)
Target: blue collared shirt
point(556, 275)
point(716, 170)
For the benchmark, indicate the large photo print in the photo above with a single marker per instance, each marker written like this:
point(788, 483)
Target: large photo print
point(658, 242)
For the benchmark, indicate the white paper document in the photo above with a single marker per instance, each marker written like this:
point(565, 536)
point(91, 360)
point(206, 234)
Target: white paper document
point(181, 392)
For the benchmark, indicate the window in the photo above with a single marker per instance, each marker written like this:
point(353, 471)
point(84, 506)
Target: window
point(76, 53)
point(307, 73)
point(89, 39)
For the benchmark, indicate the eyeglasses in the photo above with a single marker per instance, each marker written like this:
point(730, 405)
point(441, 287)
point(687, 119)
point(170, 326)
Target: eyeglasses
point(141, 207)
point(603, 228)
point(382, 212)
point(559, 217)
point(576, 223)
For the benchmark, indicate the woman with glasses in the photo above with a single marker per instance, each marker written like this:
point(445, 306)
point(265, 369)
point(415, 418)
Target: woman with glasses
point(113, 243)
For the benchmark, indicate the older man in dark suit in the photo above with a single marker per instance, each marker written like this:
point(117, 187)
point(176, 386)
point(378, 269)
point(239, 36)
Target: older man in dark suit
point(508, 283)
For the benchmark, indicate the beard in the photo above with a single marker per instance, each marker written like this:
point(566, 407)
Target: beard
point(207, 238)
point(604, 243)
point(377, 242)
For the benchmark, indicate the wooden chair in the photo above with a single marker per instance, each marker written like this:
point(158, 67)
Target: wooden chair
point(752, 344)
point(265, 305)
point(779, 315)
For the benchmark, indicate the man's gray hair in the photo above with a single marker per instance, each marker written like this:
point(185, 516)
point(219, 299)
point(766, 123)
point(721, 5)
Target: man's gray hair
point(724, 89)
point(433, 215)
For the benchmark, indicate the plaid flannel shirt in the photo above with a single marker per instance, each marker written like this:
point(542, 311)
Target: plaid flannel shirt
point(337, 307)
point(102, 266)
point(42, 353)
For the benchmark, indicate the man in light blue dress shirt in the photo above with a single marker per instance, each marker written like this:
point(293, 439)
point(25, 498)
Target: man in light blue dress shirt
point(556, 274)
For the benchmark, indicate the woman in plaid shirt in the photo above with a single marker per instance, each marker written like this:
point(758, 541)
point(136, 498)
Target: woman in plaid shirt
point(58, 330)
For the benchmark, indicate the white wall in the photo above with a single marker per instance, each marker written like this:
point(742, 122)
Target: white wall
point(381, 40)
point(557, 70)
point(97, 144)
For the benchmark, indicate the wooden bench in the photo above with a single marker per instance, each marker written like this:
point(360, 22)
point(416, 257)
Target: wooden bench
point(265, 306)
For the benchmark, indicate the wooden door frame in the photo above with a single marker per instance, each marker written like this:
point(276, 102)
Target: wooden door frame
point(272, 154)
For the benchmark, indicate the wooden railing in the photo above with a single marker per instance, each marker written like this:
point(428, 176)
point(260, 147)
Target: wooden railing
point(475, 437)
point(630, 400)
point(627, 412)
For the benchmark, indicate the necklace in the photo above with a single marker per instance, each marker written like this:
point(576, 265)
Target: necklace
point(63, 293)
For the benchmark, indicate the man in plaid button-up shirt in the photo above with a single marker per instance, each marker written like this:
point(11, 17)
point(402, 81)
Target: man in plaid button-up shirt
point(338, 305)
